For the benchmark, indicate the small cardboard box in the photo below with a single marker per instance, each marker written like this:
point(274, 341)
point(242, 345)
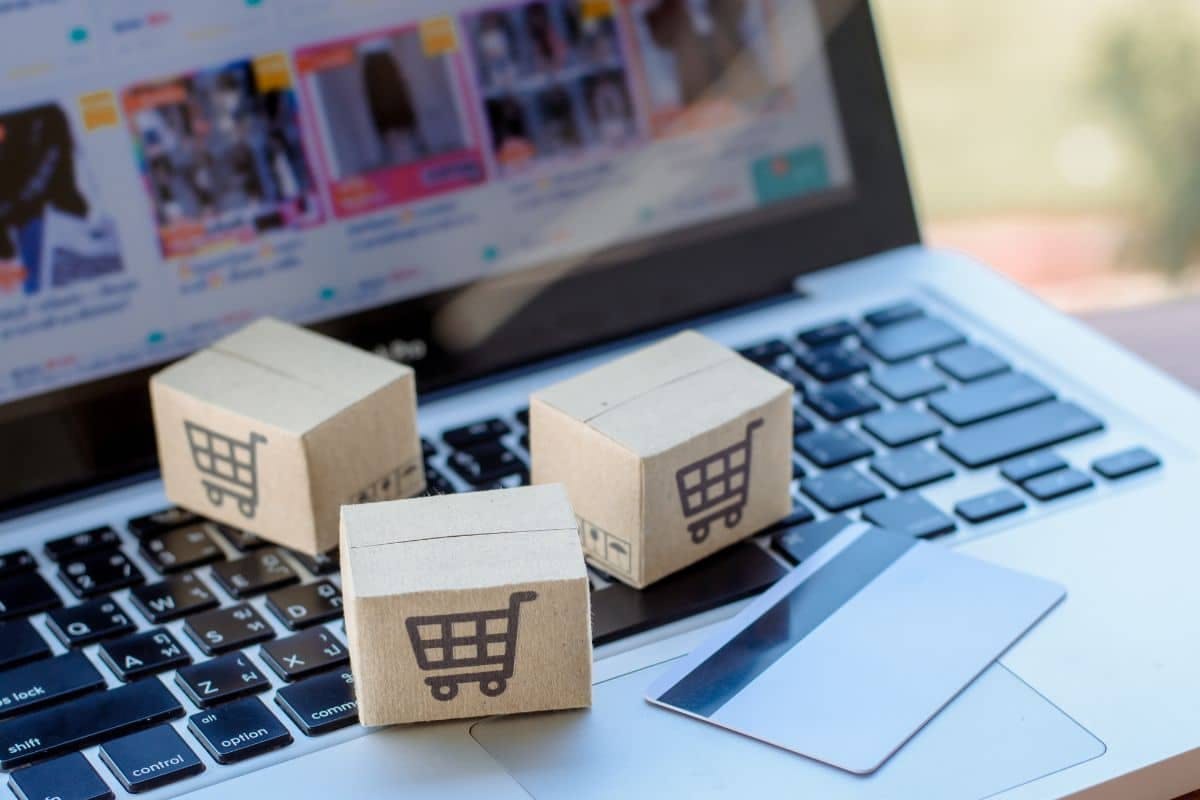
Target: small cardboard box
point(669, 454)
point(273, 428)
point(465, 605)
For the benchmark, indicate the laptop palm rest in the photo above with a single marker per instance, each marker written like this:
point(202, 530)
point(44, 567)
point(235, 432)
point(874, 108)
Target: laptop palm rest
point(997, 734)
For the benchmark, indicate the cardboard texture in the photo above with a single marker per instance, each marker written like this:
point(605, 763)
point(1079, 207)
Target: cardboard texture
point(501, 573)
point(273, 428)
point(669, 454)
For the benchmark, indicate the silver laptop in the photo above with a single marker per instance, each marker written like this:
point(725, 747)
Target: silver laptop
point(503, 194)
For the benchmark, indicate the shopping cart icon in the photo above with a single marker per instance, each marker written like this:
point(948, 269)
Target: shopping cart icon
point(231, 466)
point(717, 487)
point(475, 647)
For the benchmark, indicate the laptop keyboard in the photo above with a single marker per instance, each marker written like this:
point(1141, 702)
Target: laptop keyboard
point(98, 627)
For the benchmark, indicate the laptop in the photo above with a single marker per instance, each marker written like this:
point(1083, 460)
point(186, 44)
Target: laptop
point(503, 194)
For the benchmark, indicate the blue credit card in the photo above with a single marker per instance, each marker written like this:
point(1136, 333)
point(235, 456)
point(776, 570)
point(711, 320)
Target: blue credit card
point(856, 649)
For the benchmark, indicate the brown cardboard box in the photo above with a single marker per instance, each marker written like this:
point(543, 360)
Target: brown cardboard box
point(272, 429)
point(669, 454)
point(503, 565)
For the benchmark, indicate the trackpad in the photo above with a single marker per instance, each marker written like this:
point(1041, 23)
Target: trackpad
point(997, 734)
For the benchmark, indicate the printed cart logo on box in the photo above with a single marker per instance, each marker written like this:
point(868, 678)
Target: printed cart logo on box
point(717, 486)
point(228, 467)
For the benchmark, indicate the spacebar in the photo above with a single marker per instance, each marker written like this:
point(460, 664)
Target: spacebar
point(1021, 432)
point(85, 721)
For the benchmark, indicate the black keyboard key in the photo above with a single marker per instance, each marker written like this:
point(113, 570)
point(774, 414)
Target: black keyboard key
point(901, 425)
point(970, 362)
point(304, 654)
point(989, 506)
point(841, 489)
point(1126, 463)
point(829, 333)
point(909, 513)
point(181, 549)
point(254, 574)
point(842, 401)
point(835, 363)
point(1022, 468)
point(800, 423)
point(799, 515)
point(486, 463)
point(323, 564)
point(1015, 434)
point(912, 338)
point(45, 683)
point(16, 562)
point(242, 541)
point(85, 721)
point(798, 542)
point(436, 483)
point(733, 574)
point(484, 431)
point(239, 730)
point(322, 704)
point(68, 777)
point(912, 467)
point(175, 597)
point(225, 629)
point(522, 416)
point(221, 679)
point(790, 373)
point(989, 398)
point(100, 573)
point(149, 759)
point(25, 594)
point(905, 382)
point(97, 540)
point(764, 353)
point(428, 448)
point(798, 470)
point(143, 654)
point(20, 644)
point(890, 315)
point(832, 447)
point(90, 622)
point(299, 607)
point(1058, 484)
point(160, 522)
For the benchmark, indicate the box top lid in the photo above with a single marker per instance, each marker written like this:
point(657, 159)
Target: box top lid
point(281, 374)
point(465, 541)
point(660, 396)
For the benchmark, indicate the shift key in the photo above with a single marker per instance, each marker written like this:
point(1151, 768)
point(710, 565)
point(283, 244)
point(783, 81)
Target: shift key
point(1020, 432)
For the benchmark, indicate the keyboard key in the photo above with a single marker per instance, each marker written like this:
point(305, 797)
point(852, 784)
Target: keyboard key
point(175, 597)
point(428, 448)
point(486, 463)
point(905, 382)
point(843, 401)
point(790, 373)
point(242, 541)
point(482, 432)
point(911, 338)
point(44, 683)
point(901, 426)
point(912, 467)
point(832, 447)
point(764, 353)
point(840, 489)
point(835, 363)
point(143, 654)
point(798, 470)
point(25, 594)
point(16, 562)
point(254, 574)
point(225, 629)
point(304, 654)
point(100, 573)
point(323, 564)
point(97, 540)
point(1126, 463)
point(1015, 434)
point(68, 777)
point(180, 549)
point(239, 730)
point(1058, 484)
point(829, 333)
point(149, 759)
point(20, 644)
point(799, 515)
point(160, 522)
point(989, 506)
point(800, 423)
point(436, 483)
point(221, 679)
point(909, 513)
point(890, 315)
point(970, 362)
point(321, 704)
point(299, 607)
point(84, 721)
point(989, 398)
point(801, 541)
point(88, 623)
point(1022, 468)
point(522, 416)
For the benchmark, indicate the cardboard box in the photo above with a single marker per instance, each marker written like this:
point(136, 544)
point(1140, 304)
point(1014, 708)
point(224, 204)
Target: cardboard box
point(669, 454)
point(501, 573)
point(272, 429)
